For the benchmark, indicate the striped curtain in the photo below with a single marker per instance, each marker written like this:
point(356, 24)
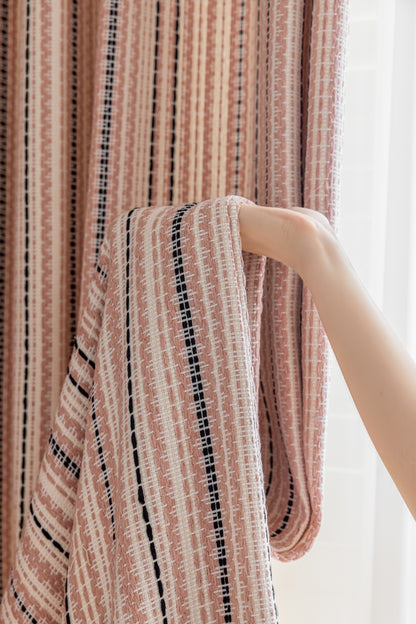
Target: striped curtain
point(110, 104)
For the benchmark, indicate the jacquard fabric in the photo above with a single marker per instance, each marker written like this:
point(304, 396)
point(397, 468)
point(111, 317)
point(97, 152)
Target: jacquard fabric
point(111, 104)
point(150, 503)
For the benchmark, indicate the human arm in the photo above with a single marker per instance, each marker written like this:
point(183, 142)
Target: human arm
point(378, 370)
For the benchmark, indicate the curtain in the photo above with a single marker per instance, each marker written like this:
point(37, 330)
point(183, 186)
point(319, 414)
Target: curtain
point(367, 545)
point(106, 105)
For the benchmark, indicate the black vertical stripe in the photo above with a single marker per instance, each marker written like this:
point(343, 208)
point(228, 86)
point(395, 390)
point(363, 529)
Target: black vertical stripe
point(290, 501)
point(140, 489)
point(102, 463)
point(73, 177)
point(101, 271)
point(21, 604)
point(80, 389)
point(67, 617)
point(304, 91)
point(26, 272)
point(289, 506)
point(154, 96)
point(239, 98)
point(301, 102)
point(46, 533)
point(304, 94)
point(106, 125)
point(270, 566)
point(175, 83)
point(3, 199)
point(200, 407)
point(256, 155)
point(266, 116)
point(269, 431)
point(63, 457)
point(83, 354)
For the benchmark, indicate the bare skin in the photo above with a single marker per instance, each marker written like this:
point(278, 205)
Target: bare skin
point(380, 373)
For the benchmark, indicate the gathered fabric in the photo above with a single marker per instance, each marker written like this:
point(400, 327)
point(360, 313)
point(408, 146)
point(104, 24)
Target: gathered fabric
point(154, 499)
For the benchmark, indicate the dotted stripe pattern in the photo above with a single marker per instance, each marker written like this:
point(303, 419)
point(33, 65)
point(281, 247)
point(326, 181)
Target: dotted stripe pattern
point(3, 204)
point(106, 126)
point(140, 490)
point(200, 407)
point(26, 279)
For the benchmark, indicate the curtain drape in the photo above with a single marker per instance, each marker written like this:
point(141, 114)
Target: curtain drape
point(367, 544)
point(114, 104)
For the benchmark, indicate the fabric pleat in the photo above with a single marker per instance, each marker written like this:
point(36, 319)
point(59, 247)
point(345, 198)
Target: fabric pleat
point(109, 105)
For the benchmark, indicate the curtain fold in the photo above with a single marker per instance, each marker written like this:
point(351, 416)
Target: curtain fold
point(115, 104)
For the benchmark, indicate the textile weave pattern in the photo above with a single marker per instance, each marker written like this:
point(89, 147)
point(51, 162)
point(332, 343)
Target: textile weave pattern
point(109, 104)
point(150, 502)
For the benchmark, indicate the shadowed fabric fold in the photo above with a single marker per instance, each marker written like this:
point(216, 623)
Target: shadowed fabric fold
point(150, 504)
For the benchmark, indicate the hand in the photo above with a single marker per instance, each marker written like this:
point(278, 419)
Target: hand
point(293, 236)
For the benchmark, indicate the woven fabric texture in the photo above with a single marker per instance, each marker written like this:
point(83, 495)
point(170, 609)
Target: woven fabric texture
point(106, 105)
point(150, 502)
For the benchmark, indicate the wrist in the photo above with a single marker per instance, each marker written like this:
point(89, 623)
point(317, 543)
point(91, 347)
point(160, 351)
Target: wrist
point(321, 254)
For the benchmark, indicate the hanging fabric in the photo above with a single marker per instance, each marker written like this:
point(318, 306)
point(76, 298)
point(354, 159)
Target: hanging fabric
point(150, 502)
point(114, 104)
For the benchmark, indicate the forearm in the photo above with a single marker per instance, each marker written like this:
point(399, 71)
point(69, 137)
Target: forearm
point(379, 372)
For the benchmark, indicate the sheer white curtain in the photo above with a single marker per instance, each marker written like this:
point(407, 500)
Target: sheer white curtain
point(362, 568)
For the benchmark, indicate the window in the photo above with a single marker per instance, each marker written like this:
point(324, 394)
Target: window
point(362, 568)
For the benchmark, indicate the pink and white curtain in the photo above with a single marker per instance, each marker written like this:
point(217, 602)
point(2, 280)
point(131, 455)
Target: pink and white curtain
point(110, 105)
